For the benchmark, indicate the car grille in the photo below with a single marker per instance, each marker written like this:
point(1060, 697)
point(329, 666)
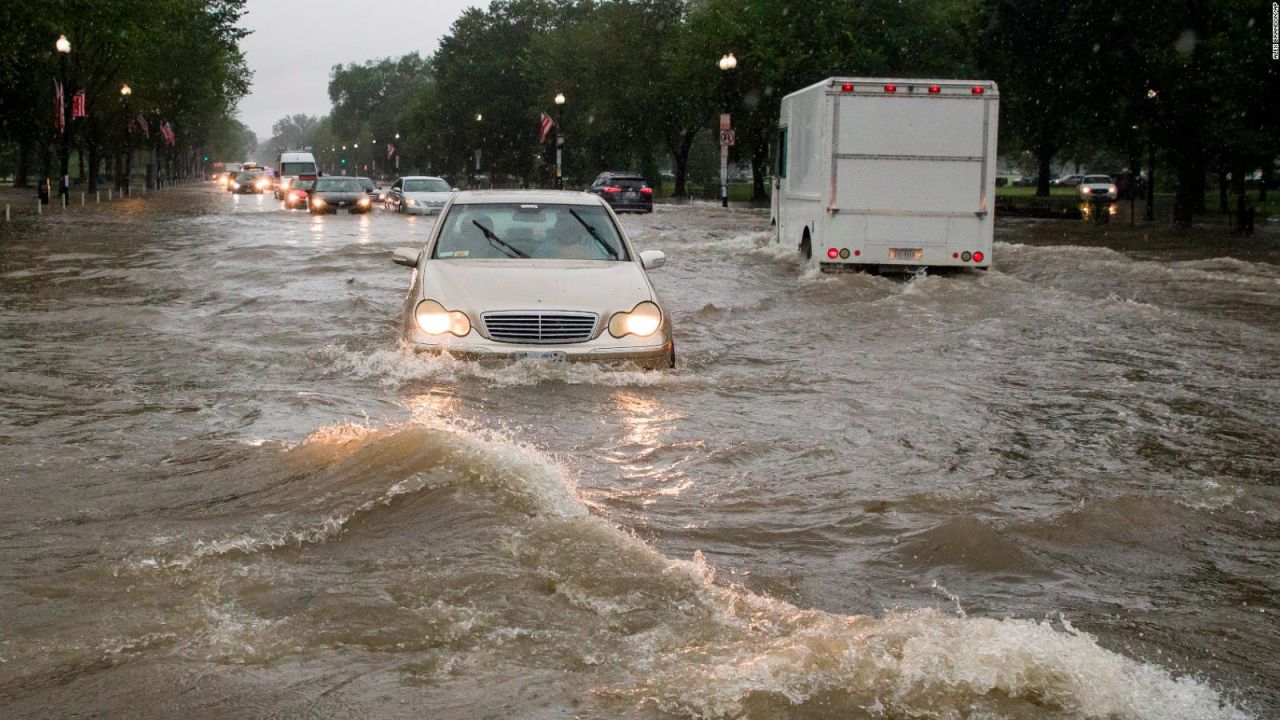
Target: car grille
point(539, 327)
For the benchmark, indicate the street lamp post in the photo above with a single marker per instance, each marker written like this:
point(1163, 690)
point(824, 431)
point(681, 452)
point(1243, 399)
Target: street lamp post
point(63, 47)
point(397, 153)
point(479, 119)
point(125, 92)
point(560, 100)
point(727, 63)
point(1150, 214)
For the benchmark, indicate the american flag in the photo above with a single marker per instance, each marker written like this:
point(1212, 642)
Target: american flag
point(391, 150)
point(545, 127)
point(142, 123)
point(59, 102)
point(77, 105)
point(166, 132)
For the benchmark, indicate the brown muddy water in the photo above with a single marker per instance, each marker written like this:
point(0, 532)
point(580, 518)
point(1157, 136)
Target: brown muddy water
point(1046, 491)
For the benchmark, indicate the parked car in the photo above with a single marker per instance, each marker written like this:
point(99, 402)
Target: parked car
point(418, 195)
point(371, 189)
point(1096, 187)
point(1009, 180)
point(624, 191)
point(251, 181)
point(1066, 181)
point(534, 275)
point(331, 194)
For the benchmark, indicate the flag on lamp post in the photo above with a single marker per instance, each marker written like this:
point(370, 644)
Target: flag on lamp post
point(78, 105)
point(391, 150)
point(142, 123)
point(544, 127)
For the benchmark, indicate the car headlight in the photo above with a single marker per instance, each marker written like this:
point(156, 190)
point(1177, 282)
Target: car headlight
point(1111, 189)
point(235, 186)
point(643, 321)
point(409, 201)
point(318, 202)
point(364, 201)
point(433, 319)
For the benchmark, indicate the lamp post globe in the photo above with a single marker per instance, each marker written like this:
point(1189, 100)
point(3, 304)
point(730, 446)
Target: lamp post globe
point(63, 45)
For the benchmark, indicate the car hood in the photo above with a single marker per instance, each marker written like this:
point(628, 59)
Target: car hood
point(479, 286)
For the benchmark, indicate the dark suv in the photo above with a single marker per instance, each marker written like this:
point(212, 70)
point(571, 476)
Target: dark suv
point(624, 191)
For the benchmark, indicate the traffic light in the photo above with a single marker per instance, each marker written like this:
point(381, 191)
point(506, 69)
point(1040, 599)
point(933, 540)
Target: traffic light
point(343, 161)
point(206, 158)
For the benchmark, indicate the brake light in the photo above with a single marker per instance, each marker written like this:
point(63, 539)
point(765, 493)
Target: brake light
point(977, 257)
point(646, 190)
point(833, 253)
point(934, 89)
point(977, 90)
point(613, 189)
point(891, 88)
point(847, 87)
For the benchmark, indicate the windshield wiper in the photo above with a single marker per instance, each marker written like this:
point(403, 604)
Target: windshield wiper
point(510, 250)
point(609, 249)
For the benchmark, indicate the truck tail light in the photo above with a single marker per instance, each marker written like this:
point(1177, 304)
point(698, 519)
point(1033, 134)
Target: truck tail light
point(833, 253)
point(977, 90)
point(847, 87)
point(891, 88)
point(977, 257)
point(934, 89)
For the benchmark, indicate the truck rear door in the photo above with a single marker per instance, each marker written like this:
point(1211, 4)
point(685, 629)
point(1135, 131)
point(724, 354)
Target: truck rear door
point(910, 167)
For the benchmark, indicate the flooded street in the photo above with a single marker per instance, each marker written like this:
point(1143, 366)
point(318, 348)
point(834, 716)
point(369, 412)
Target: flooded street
point(1047, 491)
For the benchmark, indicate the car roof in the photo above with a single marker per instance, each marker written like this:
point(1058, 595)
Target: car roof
point(623, 174)
point(421, 177)
point(549, 197)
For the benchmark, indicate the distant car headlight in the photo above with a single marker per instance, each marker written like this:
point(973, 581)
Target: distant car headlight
point(643, 321)
point(263, 184)
point(235, 186)
point(318, 202)
point(433, 319)
point(364, 201)
point(409, 201)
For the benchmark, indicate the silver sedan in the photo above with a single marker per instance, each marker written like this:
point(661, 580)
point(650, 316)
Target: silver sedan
point(534, 275)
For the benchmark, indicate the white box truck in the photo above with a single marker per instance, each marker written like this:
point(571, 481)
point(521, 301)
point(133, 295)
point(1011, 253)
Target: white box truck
point(884, 174)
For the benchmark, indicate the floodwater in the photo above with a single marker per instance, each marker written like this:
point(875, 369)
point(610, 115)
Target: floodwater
point(1045, 491)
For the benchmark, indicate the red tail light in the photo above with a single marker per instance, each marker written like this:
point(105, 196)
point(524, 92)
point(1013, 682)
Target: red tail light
point(833, 253)
point(977, 257)
point(612, 189)
point(891, 88)
point(847, 87)
point(934, 89)
point(977, 90)
point(646, 191)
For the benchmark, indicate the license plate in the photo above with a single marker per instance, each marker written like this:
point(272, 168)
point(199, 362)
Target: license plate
point(631, 196)
point(542, 356)
point(906, 254)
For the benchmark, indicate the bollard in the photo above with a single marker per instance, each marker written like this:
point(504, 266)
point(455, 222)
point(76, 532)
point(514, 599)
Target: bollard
point(39, 208)
point(99, 198)
point(6, 212)
point(64, 202)
point(81, 199)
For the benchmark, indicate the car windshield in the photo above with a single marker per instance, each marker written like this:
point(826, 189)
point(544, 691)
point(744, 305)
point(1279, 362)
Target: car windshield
point(349, 184)
point(529, 230)
point(367, 184)
point(426, 185)
point(298, 168)
point(247, 177)
point(1098, 179)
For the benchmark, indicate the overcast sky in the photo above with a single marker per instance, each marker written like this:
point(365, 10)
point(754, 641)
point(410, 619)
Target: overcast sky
point(294, 44)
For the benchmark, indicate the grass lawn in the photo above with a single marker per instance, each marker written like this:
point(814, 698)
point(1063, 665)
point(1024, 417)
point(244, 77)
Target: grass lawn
point(738, 192)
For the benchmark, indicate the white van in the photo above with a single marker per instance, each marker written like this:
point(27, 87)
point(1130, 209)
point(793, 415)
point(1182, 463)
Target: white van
point(886, 174)
point(296, 164)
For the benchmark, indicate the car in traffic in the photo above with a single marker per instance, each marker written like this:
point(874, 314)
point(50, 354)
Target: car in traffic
point(418, 195)
point(333, 193)
point(1066, 181)
point(1097, 187)
point(298, 194)
point(624, 191)
point(537, 275)
point(371, 189)
point(251, 181)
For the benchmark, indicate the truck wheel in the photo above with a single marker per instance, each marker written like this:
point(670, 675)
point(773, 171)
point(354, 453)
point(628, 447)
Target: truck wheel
point(806, 247)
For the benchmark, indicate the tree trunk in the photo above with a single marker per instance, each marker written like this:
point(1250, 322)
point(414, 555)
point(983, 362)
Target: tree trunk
point(1190, 192)
point(80, 162)
point(1044, 157)
point(681, 157)
point(1266, 179)
point(1223, 205)
point(759, 168)
point(24, 163)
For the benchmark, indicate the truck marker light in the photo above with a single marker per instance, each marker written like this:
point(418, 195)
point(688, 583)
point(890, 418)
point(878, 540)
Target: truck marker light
point(977, 257)
point(891, 88)
point(955, 255)
point(977, 90)
point(847, 87)
point(844, 253)
point(934, 89)
point(856, 253)
point(833, 253)
point(966, 256)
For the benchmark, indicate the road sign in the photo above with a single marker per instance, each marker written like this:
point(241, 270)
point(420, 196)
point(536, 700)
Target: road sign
point(724, 121)
point(727, 138)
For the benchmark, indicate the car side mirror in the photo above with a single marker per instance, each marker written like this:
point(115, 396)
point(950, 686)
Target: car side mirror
point(653, 259)
point(407, 257)
point(455, 190)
